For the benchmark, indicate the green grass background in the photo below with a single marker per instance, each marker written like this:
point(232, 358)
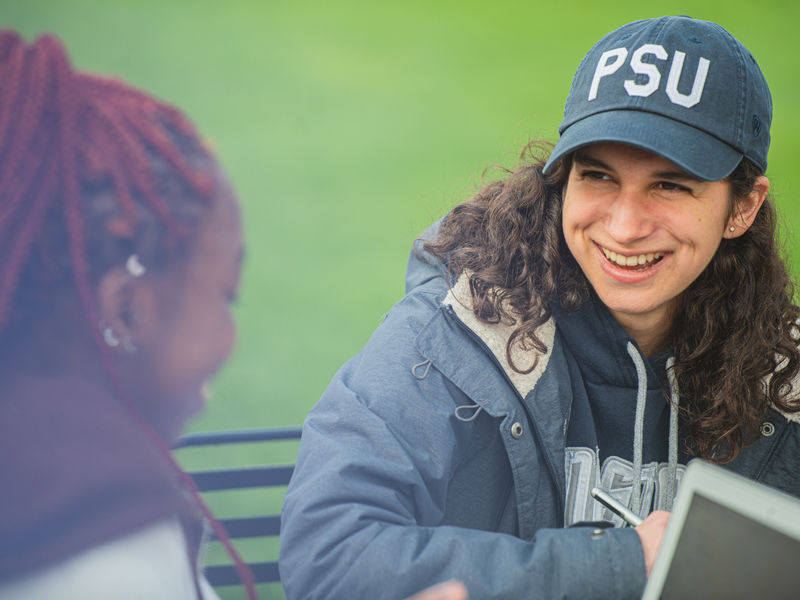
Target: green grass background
point(348, 126)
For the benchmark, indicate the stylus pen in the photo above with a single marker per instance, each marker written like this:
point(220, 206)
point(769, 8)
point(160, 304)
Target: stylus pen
point(615, 506)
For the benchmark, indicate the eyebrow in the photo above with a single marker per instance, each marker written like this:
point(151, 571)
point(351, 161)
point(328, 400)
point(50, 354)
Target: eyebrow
point(675, 174)
point(588, 161)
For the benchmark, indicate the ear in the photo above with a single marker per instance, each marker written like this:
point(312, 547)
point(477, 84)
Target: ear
point(746, 209)
point(127, 305)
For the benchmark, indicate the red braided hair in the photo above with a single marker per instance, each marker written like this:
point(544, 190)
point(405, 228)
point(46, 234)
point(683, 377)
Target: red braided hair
point(61, 130)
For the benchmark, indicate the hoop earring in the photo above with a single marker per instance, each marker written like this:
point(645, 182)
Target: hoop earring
point(109, 337)
point(134, 267)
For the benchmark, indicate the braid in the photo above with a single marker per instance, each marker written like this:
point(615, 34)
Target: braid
point(102, 129)
point(13, 55)
point(18, 245)
point(61, 132)
point(24, 97)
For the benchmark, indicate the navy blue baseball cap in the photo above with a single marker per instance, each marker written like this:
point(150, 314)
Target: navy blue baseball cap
point(681, 88)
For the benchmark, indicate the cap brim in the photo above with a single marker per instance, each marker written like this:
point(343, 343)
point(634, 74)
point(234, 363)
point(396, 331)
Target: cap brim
point(691, 149)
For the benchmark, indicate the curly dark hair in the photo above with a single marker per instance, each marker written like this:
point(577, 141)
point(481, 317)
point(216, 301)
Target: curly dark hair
point(734, 333)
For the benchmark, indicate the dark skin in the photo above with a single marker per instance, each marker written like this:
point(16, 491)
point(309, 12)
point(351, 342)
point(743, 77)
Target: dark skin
point(178, 319)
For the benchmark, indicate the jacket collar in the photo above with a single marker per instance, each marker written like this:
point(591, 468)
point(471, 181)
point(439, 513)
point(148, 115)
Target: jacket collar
point(462, 361)
point(496, 337)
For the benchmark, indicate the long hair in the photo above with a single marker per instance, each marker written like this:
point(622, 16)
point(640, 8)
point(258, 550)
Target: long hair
point(91, 170)
point(734, 333)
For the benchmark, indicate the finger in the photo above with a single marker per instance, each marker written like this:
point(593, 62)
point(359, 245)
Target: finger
point(449, 590)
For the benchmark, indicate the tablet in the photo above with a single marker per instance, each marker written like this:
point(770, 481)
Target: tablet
point(728, 537)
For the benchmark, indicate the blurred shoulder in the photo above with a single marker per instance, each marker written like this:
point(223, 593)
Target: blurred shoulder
point(152, 563)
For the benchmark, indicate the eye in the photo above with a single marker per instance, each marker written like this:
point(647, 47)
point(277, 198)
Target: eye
point(596, 175)
point(671, 186)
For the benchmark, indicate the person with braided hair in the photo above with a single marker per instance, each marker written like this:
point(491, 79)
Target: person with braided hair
point(120, 253)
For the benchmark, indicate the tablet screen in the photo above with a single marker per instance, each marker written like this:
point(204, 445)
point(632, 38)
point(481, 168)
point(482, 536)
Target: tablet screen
point(722, 554)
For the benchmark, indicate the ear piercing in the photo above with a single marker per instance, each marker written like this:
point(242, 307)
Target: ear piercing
point(134, 269)
point(731, 229)
point(109, 337)
point(112, 340)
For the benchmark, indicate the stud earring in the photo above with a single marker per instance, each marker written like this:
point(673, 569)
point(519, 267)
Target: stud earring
point(731, 228)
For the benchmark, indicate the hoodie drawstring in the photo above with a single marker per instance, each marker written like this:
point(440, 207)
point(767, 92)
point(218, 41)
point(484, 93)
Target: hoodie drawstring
point(672, 472)
point(638, 431)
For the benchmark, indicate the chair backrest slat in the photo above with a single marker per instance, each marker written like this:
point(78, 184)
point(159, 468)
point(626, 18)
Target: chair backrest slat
point(240, 478)
point(239, 436)
point(224, 575)
point(244, 527)
point(245, 477)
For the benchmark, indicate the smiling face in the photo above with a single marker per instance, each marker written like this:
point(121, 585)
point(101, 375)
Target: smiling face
point(191, 331)
point(642, 231)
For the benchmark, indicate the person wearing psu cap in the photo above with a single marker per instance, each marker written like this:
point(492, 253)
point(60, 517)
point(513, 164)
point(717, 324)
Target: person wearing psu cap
point(609, 310)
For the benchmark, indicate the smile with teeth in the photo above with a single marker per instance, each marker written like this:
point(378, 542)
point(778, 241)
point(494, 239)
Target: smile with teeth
point(635, 262)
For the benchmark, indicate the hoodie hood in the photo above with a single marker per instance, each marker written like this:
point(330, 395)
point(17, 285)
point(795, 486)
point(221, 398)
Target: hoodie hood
point(599, 344)
point(620, 407)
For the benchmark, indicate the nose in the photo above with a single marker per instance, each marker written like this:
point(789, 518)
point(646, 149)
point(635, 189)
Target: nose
point(630, 217)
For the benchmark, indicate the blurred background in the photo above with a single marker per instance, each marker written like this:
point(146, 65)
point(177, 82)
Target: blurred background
point(348, 126)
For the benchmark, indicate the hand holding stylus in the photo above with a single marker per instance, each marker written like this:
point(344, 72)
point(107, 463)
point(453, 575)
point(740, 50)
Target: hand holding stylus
point(651, 534)
point(650, 530)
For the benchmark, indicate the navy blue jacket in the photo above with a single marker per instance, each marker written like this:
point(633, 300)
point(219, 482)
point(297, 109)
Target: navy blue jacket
point(428, 458)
